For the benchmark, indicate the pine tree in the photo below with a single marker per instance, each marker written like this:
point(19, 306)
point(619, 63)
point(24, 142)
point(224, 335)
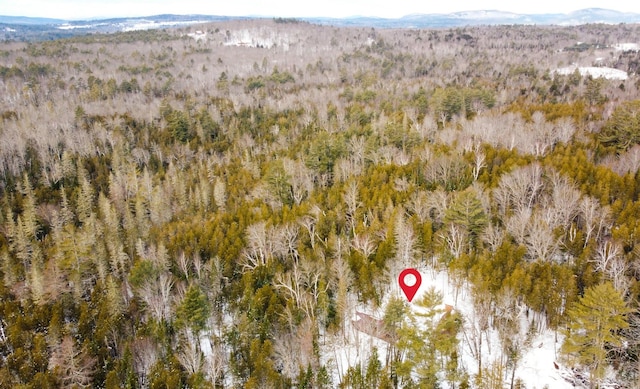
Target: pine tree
point(428, 341)
point(194, 310)
point(29, 217)
point(622, 130)
point(594, 326)
point(84, 201)
point(466, 212)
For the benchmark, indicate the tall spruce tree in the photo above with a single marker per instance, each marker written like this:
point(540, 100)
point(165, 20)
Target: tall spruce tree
point(594, 327)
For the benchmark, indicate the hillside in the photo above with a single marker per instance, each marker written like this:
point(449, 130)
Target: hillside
point(37, 29)
point(216, 205)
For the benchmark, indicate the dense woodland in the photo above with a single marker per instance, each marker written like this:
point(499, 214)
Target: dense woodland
point(209, 209)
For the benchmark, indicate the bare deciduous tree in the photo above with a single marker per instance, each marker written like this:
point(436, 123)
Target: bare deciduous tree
point(540, 240)
point(456, 240)
point(493, 236)
point(300, 178)
point(520, 188)
point(350, 198)
point(288, 235)
point(478, 163)
point(595, 218)
point(405, 241)
point(220, 193)
point(446, 171)
point(257, 251)
point(340, 281)
point(418, 205)
point(189, 354)
point(437, 204)
point(610, 261)
point(266, 242)
point(302, 285)
point(512, 325)
point(156, 294)
point(364, 244)
point(309, 223)
point(517, 224)
point(295, 351)
point(215, 360)
point(145, 356)
point(564, 130)
point(475, 330)
point(565, 198)
point(74, 365)
point(606, 253)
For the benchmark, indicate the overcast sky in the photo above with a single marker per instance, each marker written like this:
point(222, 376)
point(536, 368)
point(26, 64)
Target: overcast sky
point(83, 9)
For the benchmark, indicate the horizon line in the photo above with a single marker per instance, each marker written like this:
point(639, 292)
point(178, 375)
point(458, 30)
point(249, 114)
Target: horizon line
point(258, 16)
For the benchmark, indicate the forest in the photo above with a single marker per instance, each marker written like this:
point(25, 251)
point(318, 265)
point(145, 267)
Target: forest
point(216, 206)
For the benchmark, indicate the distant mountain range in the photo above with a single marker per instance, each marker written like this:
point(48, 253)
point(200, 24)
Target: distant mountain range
point(25, 28)
point(488, 17)
point(36, 29)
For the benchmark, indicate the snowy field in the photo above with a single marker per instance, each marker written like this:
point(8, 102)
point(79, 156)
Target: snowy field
point(627, 47)
point(596, 72)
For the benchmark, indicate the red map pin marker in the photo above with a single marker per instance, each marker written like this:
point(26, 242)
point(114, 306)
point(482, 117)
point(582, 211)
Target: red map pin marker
point(410, 280)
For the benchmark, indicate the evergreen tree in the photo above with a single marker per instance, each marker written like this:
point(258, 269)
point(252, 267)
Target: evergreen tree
point(428, 341)
point(194, 310)
point(466, 212)
point(594, 326)
point(622, 130)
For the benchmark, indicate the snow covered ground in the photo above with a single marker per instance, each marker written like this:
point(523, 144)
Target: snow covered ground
point(608, 73)
point(536, 368)
point(262, 37)
point(198, 35)
point(152, 24)
point(627, 47)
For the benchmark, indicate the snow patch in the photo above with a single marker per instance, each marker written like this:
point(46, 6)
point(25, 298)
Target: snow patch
point(538, 368)
point(68, 26)
point(262, 38)
point(151, 24)
point(486, 14)
point(627, 47)
point(205, 346)
point(596, 72)
point(198, 35)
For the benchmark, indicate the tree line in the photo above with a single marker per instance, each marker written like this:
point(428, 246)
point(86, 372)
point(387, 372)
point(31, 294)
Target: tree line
point(181, 213)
